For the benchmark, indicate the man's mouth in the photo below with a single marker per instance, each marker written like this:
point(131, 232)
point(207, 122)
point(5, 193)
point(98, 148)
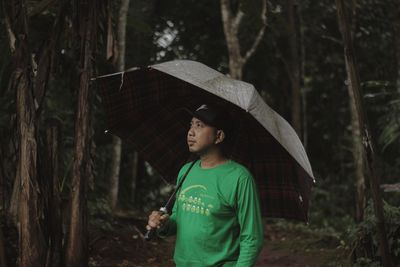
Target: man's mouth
point(191, 142)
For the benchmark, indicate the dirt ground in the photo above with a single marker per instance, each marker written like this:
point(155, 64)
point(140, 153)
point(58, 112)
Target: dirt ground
point(125, 246)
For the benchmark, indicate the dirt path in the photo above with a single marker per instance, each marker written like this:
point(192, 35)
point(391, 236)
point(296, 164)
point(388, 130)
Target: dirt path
point(300, 246)
point(124, 247)
point(280, 257)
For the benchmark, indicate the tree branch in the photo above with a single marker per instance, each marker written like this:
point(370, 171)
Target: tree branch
point(11, 35)
point(260, 35)
point(111, 49)
point(40, 7)
point(391, 187)
point(333, 39)
point(237, 20)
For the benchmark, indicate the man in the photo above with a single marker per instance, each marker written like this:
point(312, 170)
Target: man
point(216, 216)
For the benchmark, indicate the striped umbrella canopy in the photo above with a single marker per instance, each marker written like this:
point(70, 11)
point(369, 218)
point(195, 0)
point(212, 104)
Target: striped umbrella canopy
point(144, 106)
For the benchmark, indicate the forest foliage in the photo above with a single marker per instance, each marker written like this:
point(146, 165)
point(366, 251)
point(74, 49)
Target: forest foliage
point(159, 31)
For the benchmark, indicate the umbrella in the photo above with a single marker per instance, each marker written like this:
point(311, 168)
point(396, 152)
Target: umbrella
point(144, 106)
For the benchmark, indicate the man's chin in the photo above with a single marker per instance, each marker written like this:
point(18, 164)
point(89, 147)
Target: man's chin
point(200, 151)
point(192, 150)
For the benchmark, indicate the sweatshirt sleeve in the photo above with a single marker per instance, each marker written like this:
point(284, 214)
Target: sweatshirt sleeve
point(250, 220)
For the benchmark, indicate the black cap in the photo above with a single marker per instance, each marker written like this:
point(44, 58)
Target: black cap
point(214, 116)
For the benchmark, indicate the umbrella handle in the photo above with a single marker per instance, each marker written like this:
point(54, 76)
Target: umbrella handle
point(150, 233)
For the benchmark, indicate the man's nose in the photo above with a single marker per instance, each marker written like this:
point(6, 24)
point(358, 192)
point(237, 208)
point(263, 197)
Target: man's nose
point(190, 132)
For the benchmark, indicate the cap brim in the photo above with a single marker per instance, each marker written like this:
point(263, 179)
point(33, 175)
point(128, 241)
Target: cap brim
point(190, 114)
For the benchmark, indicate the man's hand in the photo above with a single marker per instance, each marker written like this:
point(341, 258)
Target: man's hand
point(156, 220)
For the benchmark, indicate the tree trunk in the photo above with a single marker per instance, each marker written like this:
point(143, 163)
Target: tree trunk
point(122, 20)
point(7, 168)
point(357, 150)
point(77, 244)
point(3, 202)
point(53, 197)
point(294, 28)
point(115, 168)
point(3, 259)
point(231, 28)
point(31, 240)
point(32, 250)
point(116, 144)
point(231, 24)
point(14, 201)
point(358, 156)
point(397, 44)
point(368, 145)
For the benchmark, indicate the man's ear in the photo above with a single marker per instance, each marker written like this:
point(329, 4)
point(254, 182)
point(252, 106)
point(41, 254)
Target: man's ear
point(220, 136)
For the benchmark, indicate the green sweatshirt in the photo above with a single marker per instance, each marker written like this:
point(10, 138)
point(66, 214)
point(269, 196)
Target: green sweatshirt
point(216, 217)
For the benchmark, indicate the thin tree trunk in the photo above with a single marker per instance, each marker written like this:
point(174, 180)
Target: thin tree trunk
point(231, 24)
point(115, 170)
point(53, 198)
point(294, 28)
point(77, 244)
point(357, 150)
point(304, 87)
point(116, 144)
point(121, 67)
point(123, 17)
point(358, 156)
point(304, 117)
point(134, 175)
point(368, 145)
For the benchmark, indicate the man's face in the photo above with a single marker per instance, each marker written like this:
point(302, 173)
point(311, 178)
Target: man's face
point(201, 137)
